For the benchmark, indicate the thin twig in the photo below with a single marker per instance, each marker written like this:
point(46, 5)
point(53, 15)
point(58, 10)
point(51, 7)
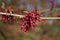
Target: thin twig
point(21, 16)
point(44, 10)
point(50, 18)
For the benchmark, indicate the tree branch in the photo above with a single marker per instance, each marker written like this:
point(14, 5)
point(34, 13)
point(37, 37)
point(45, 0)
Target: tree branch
point(21, 16)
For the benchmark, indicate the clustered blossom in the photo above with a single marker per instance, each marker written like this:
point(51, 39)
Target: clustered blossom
point(7, 18)
point(30, 20)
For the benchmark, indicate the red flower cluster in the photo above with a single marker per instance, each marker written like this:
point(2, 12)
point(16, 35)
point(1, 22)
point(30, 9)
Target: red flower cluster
point(7, 18)
point(30, 20)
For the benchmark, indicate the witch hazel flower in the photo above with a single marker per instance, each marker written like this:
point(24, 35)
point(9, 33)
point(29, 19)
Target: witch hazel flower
point(5, 17)
point(30, 20)
point(8, 18)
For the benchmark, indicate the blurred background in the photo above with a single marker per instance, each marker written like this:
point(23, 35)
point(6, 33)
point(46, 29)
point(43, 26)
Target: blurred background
point(48, 31)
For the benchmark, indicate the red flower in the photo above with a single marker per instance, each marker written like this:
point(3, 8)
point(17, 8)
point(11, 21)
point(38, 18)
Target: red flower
point(8, 18)
point(30, 20)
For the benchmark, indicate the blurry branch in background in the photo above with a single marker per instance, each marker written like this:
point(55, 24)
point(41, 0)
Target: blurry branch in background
point(52, 7)
point(34, 3)
point(43, 4)
point(44, 10)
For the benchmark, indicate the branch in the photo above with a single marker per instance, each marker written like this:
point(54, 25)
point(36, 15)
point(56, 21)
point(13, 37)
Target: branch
point(50, 18)
point(21, 16)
